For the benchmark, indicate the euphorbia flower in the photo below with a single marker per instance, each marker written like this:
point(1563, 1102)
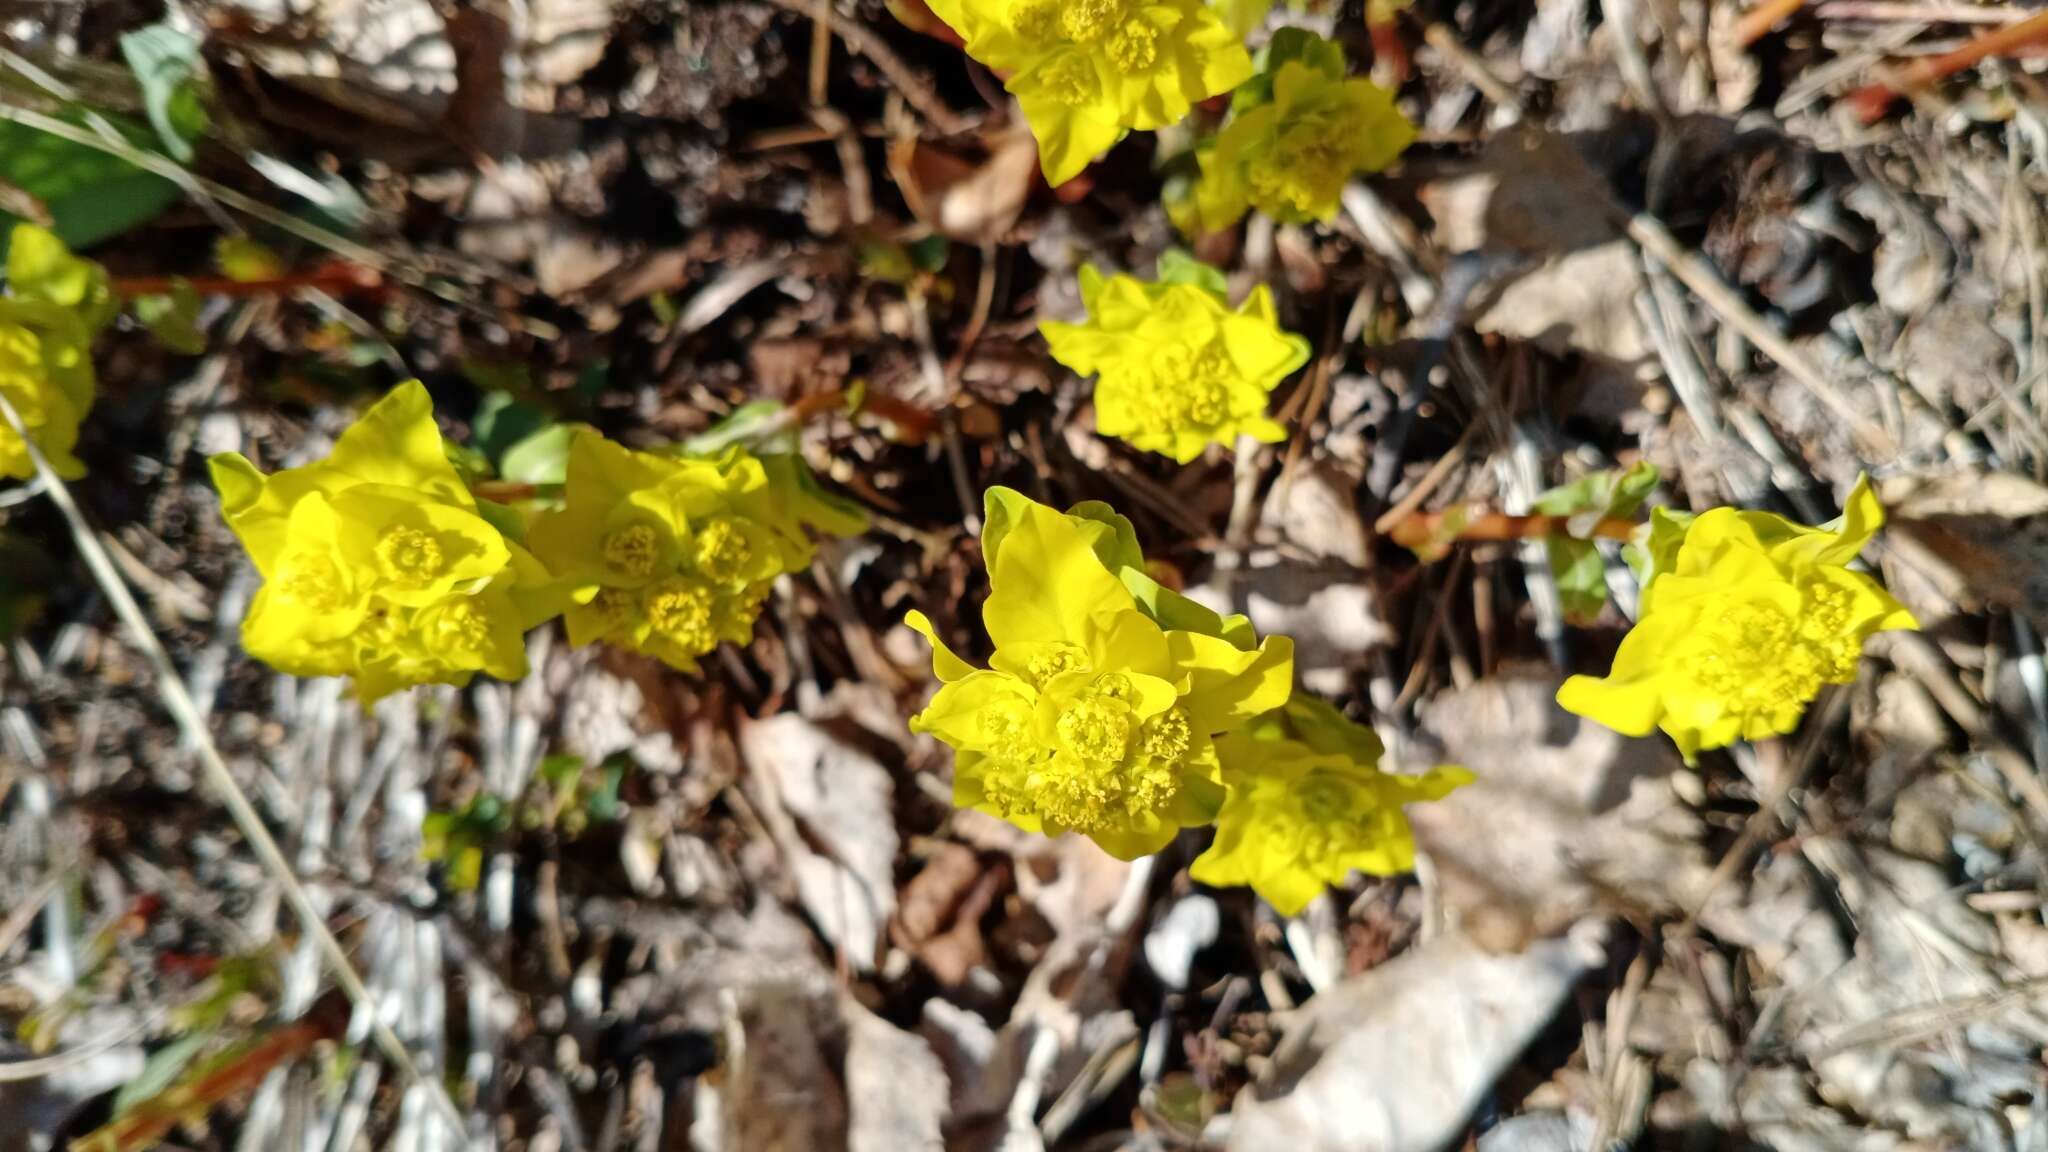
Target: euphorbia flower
point(1086, 71)
point(1744, 616)
point(671, 555)
point(377, 563)
point(1177, 369)
point(1309, 804)
point(1290, 157)
point(1096, 715)
point(54, 305)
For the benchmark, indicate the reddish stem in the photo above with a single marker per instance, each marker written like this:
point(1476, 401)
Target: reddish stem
point(1872, 101)
point(1758, 21)
point(336, 278)
point(1424, 528)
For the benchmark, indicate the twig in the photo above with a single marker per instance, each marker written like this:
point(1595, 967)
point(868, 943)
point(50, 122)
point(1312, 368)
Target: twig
point(178, 702)
point(1422, 528)
point(1890, 11)
point(915, 88)
point(1695, 273)
point(1872, 101)
point(342, 278)
point(1758, 21)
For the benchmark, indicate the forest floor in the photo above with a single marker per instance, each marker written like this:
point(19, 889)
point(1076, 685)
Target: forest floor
point(616, 907)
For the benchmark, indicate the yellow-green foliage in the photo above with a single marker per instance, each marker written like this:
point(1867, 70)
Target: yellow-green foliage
point(669, 556)
point(1177, 368)
point(55, 304)
point(1744, 616)
point(1308, 804)
point(377, 564)
point(1087, 71)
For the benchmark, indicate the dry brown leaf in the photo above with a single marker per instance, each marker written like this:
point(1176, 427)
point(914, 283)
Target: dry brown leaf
point(975, 200)
point(1566, 816)
point(1396, 1059)
point(1966, 540)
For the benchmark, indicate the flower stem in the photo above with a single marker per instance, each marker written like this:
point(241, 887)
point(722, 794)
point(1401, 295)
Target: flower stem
point(1426, 528)
point(336, 277)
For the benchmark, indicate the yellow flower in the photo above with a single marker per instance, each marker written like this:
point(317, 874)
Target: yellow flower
point(670, 556)
point(377, 563)
point(1744, 616)
point(1085, 71)
point(1308, 804)
point(1096, 714)
point(56, 302)
point(1290, 157)
point(1177, 369)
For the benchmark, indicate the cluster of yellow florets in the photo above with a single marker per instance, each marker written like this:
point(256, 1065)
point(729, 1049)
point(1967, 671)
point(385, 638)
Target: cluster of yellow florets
point(669, 555)
point(379, 564)
point(55, 304)
point(1745, 615)
point(1117, 708)
point(1177, 368)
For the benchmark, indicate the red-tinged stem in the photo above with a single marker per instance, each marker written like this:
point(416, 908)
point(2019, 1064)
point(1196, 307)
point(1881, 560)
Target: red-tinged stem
point(1872, 101)
point(503, 491)
point(1758, 21)
point(337, 279)
point(149, 1121)
point(1387, 45)
point(1423, 528)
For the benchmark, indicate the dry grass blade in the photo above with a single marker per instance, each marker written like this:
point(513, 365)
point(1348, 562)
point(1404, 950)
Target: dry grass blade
point(177, 701)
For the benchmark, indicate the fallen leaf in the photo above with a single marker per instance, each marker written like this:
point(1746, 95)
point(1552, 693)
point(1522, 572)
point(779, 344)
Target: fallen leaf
point(1397, 1058)
point(1566, 817)
point(1964, 540)
point(830, 808)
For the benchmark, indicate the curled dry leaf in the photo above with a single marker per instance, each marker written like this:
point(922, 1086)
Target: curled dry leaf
point(975, 200)
point(1566, 817)
point(829, 807)
point(1968, 540)
point(1396, 1059)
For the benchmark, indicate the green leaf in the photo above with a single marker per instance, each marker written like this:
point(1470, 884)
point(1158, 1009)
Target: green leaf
point(760, 423)
point(1179, 266)
point(247, 260)
point(1576, 561)
point(160, 1071)
point(1581, 576)
point(173, 318)
point(502, 421)
point(1609, 493)
point(1287, 45)
point(166, 63)
point(539, 458)
point(90, 195)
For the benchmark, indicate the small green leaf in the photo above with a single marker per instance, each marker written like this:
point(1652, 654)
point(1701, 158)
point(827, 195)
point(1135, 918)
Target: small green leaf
point(539, 458)
point(246, 260)
point(173, 318)
point(90, 195)
point(760, 424)
point(1179, 266)
point(1581, 576)
point(160, 1071)
point(502, 421)
point(166, 63)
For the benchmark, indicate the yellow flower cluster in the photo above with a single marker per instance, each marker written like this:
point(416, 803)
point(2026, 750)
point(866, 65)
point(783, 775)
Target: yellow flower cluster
point(1117, 708)
point(377, 562)
point(1178, 369)
point(1087, 71)
point(1290, 156)
point(670, 556)
point(1308, 804)
point(55, 304)
point(1744, 616)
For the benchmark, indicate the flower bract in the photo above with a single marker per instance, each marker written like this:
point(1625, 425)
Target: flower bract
point(1308, 804)
point(671, 555)
point(1098, 712)
point(1086, 71)
point(1177, 368)
point(377, 562)
point(1744, 616)
point(1291, 156)
point(55, 304)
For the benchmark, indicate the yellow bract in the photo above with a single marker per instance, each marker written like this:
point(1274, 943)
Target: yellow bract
point(1177, 368)
point(669, 556)
point(1308, 804)
point(1085, 71)
point(55, 303)
point(1745, 615)
point(376, 562)
point(1290, 157)
point(1099, 709)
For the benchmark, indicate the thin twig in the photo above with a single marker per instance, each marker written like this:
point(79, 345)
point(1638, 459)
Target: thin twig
point(1872, 101)
point(915, 88)
point(171, 687)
